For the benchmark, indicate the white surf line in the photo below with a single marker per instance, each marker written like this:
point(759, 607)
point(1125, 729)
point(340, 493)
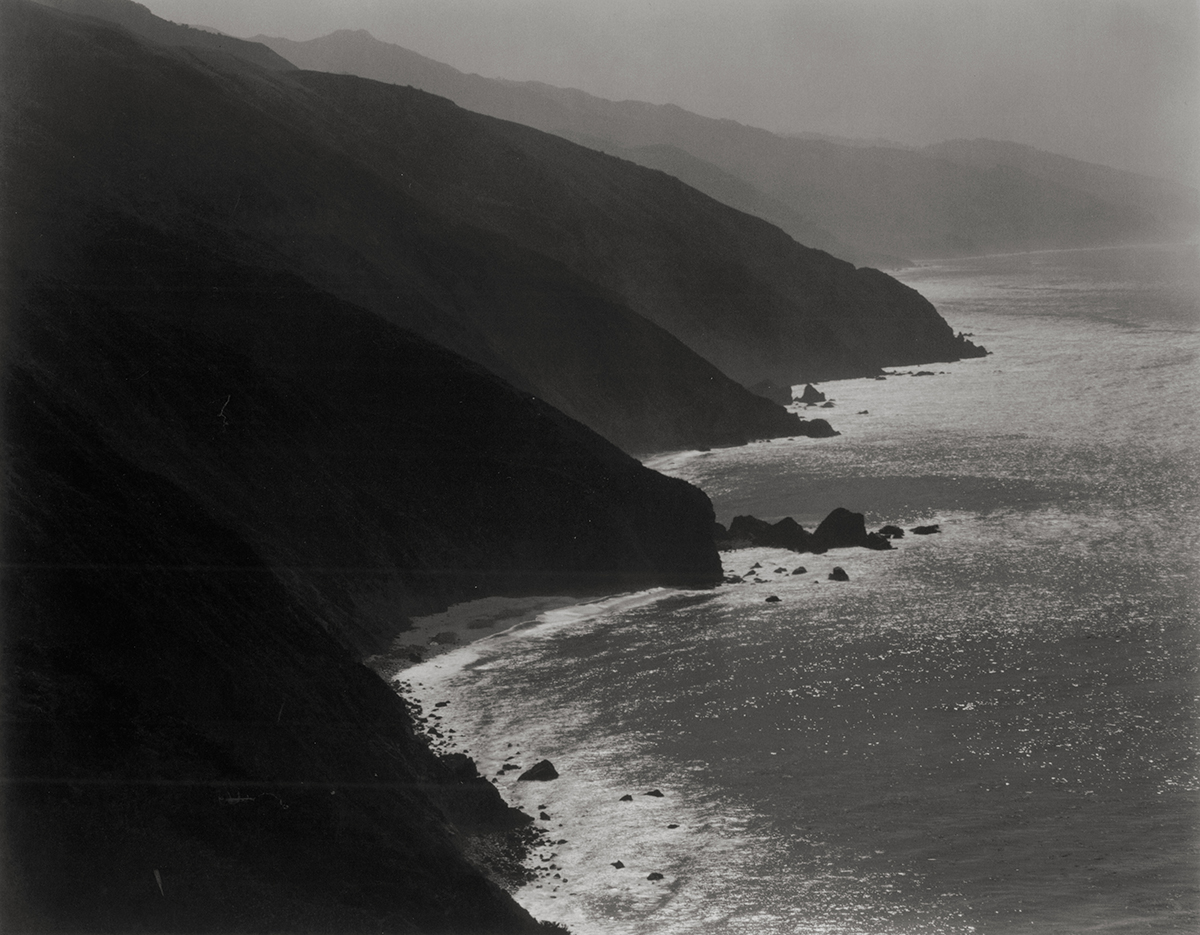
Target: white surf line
point(553, 620)
point(431, 681)
point(671, 461)
point(438, 668)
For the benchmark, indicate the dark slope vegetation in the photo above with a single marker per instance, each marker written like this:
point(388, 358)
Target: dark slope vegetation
point(187, 143)
point(738, 291)
point(174, 718)
point(381, 472)
point(374, 191)
point(223, 487)
point(855, 201)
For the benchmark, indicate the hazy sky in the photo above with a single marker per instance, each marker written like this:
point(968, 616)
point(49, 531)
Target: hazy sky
point(1111, 81)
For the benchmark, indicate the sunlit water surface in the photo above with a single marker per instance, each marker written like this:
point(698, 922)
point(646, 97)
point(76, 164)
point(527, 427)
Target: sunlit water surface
point(993, 729)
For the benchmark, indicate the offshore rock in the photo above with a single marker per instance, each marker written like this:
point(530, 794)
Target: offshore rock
point(811, 395)
point(926, 530)
point(817, 428)
point(840, 529)
point(843, 528)
point(838, 574)
point(542, 771)
point(785, 534)
point(891, 532)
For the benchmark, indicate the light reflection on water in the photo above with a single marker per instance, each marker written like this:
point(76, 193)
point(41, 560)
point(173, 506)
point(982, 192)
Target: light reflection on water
point(992, 729)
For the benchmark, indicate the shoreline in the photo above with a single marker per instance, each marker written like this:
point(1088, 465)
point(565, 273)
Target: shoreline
point(519, 858)
point(460, 625)
point(922, 262)
point(474, 621)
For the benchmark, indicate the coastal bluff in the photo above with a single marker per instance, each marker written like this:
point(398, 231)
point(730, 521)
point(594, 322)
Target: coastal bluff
point(213, 512)
point(268, 393)
point(215, 507)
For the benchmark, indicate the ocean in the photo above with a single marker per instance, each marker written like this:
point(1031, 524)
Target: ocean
point(992, 729)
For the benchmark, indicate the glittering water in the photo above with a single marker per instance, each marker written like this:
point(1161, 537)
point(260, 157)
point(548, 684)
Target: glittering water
point(993, 729)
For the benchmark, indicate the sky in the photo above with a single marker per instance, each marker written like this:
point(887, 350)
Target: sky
point(1109, 81)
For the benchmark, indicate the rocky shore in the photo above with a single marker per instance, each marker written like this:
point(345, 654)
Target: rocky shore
point(264, 402)
point(841, 529)
point(531, 854)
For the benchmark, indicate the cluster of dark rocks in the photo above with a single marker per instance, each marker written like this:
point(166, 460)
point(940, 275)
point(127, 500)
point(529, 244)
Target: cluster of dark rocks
point(550, 873)
point(427, 726)
point(813, 428)
point(840, 529)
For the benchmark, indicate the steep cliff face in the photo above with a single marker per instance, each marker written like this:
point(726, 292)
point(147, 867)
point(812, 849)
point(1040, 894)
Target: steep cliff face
point(380, 474)
point(189, 140)
point(225, 486)
point(186, 747)
point(734, 289)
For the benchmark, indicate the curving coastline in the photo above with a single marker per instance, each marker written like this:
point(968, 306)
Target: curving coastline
point(261, 405)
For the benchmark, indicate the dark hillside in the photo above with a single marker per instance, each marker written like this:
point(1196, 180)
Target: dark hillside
point(380, 474)
point(140, 21)
point(736, 290)
point(186, 748)
point(110, 126)
point(224, 486)
point(737, 193)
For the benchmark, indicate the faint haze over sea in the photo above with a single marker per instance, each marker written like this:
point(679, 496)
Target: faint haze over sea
point(1115, 82)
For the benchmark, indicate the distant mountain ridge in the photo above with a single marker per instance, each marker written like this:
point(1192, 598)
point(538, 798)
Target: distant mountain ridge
point(868, 202)
point(1168, 200)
